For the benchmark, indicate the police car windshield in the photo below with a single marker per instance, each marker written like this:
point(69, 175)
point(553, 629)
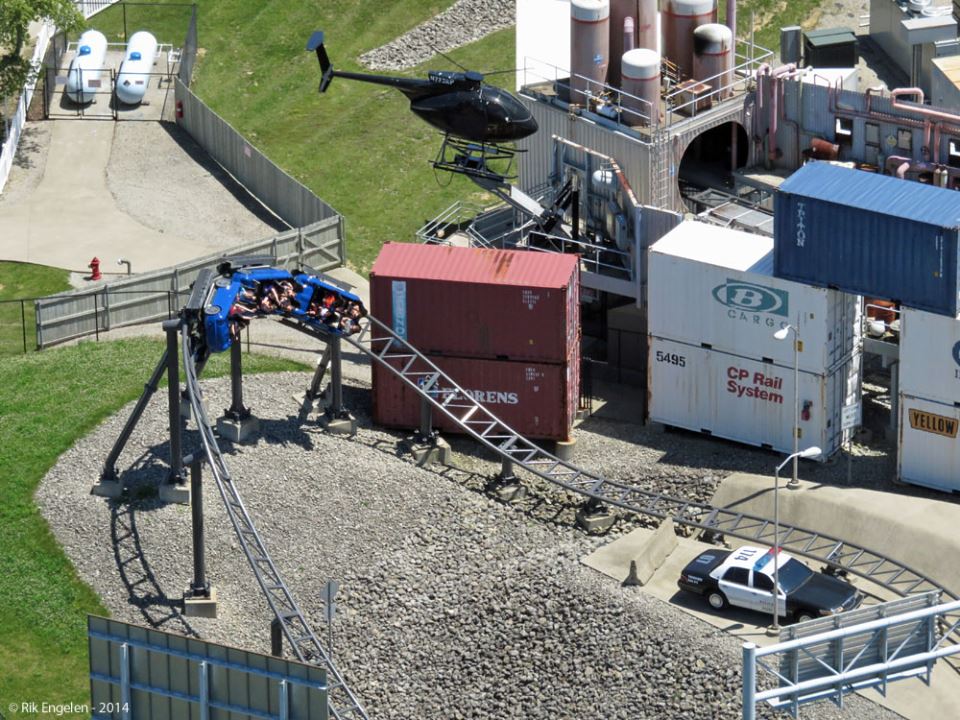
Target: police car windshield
point(793, 574)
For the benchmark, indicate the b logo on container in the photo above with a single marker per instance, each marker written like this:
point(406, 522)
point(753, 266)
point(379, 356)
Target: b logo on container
point(753, 298)
point(956, 353)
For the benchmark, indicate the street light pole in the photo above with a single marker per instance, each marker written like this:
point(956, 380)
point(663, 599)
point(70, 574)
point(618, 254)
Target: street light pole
point(782, 334)
point(808, 453)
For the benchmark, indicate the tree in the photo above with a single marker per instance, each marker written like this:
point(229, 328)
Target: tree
point(15, 19)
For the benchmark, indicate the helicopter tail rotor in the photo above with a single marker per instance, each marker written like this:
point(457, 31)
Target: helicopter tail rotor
point(326, 69)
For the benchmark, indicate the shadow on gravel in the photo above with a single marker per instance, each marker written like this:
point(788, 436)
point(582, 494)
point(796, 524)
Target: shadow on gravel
point(143, 590)
point(239, 192)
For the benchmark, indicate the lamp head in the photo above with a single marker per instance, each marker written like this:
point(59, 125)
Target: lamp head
point(782, 333)
point(811, 452)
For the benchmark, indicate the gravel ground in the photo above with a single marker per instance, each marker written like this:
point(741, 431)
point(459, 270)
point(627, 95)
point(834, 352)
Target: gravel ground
point(464, 22)
point(452, 605)
point(158, 175)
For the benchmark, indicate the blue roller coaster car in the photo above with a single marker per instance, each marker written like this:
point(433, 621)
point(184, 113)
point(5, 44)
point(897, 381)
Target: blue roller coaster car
point(246, 293)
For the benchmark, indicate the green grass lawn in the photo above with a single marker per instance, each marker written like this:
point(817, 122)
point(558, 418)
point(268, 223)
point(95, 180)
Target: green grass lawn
point(47, 401)
point(20, 280)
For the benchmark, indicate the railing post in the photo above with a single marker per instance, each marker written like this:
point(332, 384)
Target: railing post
point(23, 324)
point(749, 681)
point(96, 316)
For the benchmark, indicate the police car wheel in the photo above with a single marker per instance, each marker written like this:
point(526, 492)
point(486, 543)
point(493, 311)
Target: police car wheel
point(804, 615)
point(717, 600)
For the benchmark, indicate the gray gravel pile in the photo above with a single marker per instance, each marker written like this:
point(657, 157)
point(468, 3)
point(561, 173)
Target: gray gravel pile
point(464, 22)
point(452, 605)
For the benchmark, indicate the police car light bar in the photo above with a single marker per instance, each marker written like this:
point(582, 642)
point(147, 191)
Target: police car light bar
point(764, 559)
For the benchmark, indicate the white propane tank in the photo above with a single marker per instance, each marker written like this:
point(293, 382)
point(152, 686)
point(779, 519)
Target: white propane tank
point(678, 21)
point(589, 47)
point(83, 77)
point(134, 76)
point(641, 80)
point(713, 57)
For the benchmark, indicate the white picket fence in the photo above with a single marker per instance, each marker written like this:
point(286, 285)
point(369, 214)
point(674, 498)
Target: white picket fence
point(89, 8)
point(15, 124)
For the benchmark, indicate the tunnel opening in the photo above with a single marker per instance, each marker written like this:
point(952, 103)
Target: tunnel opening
point(709, 160)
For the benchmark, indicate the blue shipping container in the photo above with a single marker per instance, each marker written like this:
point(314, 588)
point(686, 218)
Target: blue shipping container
point(870, 235)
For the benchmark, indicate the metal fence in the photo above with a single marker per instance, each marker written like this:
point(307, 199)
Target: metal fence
point(292, 201)
point(156, 296)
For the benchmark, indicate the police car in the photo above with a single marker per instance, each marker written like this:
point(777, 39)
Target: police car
point(744, 578)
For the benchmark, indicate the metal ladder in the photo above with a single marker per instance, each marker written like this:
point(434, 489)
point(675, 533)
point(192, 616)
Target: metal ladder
point(341, 701)
point(661, 170)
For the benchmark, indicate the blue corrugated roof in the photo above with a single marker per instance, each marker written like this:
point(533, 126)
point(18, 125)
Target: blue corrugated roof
point(877, 193)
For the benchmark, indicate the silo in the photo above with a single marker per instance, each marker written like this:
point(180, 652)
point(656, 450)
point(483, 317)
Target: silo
point(678, 21)
point(620, 10)
point(713, 57)
point(641, 78)
point(589, 46)
point(647, 24)
point(629, 35)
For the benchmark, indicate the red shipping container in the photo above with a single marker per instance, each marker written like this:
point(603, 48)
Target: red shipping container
point(471, 302)
point(536, 400)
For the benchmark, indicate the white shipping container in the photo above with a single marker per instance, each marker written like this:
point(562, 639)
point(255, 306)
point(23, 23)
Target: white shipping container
point(712, 286)
point(741, 399)
point(929, 450)
point(929, 355)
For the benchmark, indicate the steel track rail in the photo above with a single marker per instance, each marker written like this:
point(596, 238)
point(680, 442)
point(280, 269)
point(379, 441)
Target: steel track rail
point(342, 703)
point(392, 352)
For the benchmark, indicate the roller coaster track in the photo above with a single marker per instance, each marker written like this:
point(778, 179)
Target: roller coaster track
point(377, 341)
point(342, 703)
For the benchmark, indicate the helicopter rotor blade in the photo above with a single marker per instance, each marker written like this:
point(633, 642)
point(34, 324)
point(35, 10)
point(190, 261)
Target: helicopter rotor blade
point(447, 57)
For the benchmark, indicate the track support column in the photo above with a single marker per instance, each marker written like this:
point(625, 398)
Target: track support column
point(237, 424)
point(594, 516)
point(175, 488)
point(426, 445)
point(506, 486)
point(201, 599)
point(336, 418)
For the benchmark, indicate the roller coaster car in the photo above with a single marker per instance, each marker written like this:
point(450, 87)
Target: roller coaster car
point(226, 290)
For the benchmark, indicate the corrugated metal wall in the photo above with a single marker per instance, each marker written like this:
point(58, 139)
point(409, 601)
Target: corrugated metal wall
point(158, 295)
point(535, 166)
point(288, 198)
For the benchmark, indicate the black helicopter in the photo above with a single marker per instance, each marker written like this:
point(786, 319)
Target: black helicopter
point(475, 118)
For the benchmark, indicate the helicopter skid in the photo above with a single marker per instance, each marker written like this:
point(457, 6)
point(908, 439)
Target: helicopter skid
point(474, 160)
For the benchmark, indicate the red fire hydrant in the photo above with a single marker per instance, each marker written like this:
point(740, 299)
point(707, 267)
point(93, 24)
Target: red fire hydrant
point(94, 266)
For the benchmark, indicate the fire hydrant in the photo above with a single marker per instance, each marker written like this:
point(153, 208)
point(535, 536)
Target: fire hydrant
point(94, 266)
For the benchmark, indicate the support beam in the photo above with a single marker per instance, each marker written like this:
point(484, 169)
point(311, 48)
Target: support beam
point(172, 329)
point(109, 484)
point(237, 424)
point(336, 418)
point(201, 599)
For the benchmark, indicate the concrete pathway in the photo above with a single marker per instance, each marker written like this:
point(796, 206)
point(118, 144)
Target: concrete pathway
point(71, 215)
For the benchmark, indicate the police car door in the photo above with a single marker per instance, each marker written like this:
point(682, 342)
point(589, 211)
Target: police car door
point(735, 584)
point(763, 592)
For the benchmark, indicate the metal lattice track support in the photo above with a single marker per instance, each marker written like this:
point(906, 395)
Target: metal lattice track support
point(392, 352)
point(342, 703)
